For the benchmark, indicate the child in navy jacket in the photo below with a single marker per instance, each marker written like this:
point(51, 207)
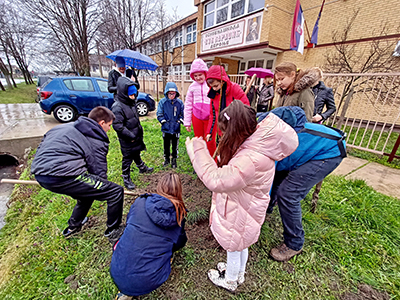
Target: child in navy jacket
point(141, 261)
point(170, 115)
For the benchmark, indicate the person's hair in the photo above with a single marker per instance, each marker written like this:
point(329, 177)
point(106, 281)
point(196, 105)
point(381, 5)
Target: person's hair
point(287, 68)
point(170, 187)
point(237, 122)
point(101, 113)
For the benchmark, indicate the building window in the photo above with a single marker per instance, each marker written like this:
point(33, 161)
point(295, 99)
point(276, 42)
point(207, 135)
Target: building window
point(260, 63)
point(237, 8)
point(187, 69)
point(270, 64)
point(255, 4)
point(191, 33)
point(220, 11)
point(178, 38)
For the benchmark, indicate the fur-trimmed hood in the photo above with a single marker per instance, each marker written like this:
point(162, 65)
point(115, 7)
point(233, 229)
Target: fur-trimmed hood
point(307, 80)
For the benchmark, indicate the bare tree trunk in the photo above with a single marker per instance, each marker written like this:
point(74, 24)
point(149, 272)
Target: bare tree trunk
point(5, 71)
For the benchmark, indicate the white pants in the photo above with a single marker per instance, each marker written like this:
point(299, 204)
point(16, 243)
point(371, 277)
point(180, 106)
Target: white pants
point(236, 262)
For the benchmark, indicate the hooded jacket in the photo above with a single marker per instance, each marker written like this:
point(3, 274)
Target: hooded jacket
point(241, 188)
point(113, 79)
point(73, 149)
point(197, 101)
point(232, 91)
point(127, 123)
point(265, 94)
point(316, 141)
point(302, 94)
point(323, 97)
point(170, 112)
point(141, 261)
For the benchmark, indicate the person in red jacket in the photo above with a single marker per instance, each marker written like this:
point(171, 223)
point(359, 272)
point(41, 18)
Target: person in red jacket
point(222, 93)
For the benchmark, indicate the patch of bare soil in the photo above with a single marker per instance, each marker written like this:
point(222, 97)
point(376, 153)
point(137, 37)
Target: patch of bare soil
point(365, 292)
point(197, 198)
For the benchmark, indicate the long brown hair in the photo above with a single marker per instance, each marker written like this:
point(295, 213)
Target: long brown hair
point(170, 187)
point(237, 122)
point(287, 68)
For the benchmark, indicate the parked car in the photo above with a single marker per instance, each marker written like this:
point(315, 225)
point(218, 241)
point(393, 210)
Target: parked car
point(68, 97)
point(41, 80)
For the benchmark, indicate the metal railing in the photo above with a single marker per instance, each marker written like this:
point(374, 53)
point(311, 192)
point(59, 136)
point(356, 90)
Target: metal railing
point(368, 109)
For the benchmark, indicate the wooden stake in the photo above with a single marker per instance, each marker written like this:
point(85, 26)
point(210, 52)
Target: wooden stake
point(34, 182)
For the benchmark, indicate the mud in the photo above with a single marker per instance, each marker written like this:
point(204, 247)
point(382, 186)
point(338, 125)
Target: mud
point(365, 292)
point(197, 199)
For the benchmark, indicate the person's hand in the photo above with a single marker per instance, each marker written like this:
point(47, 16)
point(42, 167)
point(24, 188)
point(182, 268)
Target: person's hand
point(133, 78)
point(188, 128)
point(316, 118)
point(208, 137)
point(189, 147)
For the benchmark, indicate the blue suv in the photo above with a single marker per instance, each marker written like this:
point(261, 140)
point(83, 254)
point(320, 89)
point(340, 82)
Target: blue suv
point(68, 97)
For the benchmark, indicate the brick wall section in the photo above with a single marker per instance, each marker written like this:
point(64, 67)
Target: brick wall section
point(373, 16)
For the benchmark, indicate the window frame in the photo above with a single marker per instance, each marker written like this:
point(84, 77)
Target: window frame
point(229, 14)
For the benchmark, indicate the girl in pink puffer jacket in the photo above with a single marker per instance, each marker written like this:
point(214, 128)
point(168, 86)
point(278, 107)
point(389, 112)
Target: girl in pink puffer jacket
point(240, 182)
point(197, 104)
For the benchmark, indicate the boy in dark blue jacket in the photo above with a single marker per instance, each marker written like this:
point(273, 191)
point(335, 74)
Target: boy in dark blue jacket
point(170, 115)
point(72, 160)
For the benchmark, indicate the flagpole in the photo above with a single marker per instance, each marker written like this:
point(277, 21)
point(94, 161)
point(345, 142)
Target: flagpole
point(308, 33)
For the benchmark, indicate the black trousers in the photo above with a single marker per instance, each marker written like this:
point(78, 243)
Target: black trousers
point(127, 158)
point(168, 140)
point(85, 189)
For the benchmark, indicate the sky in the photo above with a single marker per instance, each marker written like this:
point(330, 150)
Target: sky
point(185, 7)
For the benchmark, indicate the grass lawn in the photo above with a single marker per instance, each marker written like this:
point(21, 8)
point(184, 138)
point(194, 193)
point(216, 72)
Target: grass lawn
point(352, 248)
point(22, 94)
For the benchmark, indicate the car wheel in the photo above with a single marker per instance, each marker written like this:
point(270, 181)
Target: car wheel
point(64, 113)
point(142, 108)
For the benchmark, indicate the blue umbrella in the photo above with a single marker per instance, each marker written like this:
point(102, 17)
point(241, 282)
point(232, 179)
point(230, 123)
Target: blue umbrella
point(134, 59)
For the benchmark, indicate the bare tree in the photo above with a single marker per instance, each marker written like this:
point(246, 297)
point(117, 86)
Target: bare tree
point(125, 23)
point(375, 58)
point(72, 24)
point(15, 37)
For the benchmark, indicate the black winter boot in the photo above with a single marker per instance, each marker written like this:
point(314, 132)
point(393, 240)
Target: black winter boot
point(173, 163)
point(166, 162)
point(144, 169)
point(128, 182)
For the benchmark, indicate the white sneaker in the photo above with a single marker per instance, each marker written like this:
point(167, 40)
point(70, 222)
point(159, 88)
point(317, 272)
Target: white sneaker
point(215, 278)
point(221, 266)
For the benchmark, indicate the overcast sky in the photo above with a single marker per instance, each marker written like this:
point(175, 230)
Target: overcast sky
point(185, 7)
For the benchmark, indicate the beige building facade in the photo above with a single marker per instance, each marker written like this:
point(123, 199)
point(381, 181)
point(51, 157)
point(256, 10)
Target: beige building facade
point(256, 33)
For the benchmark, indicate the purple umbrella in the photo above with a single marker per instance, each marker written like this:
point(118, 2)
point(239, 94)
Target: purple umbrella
point(260, 72)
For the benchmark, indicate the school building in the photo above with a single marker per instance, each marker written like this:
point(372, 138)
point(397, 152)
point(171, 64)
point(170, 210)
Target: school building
point(256, 33)
point(240, 34)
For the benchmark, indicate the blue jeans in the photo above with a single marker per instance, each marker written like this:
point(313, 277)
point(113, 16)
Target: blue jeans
point(289, 188)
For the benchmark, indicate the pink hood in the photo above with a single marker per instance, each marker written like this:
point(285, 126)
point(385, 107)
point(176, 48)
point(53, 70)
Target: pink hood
point(241, 188)
point(198, 65)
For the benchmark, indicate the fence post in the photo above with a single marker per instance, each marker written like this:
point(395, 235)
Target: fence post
point(144, 85)
point(157, 87)
point(345, 107)
point(394, 150)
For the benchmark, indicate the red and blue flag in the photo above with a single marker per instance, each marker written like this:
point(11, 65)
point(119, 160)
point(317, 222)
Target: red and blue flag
point(297, 36)
point(314, 36)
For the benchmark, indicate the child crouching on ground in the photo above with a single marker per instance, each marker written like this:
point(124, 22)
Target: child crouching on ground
point(170, 115)
point(141, 261)
point(240, 182)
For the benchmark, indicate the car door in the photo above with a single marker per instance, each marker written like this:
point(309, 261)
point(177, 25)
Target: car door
point(82, 93)
point(107, 98)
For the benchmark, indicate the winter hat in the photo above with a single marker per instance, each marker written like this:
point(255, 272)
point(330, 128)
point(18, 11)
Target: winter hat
point(120, 61)
point(198, 65)
point(132, 90)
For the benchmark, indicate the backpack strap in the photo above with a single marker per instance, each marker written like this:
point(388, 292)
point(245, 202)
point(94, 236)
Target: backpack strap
point(330, 136)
